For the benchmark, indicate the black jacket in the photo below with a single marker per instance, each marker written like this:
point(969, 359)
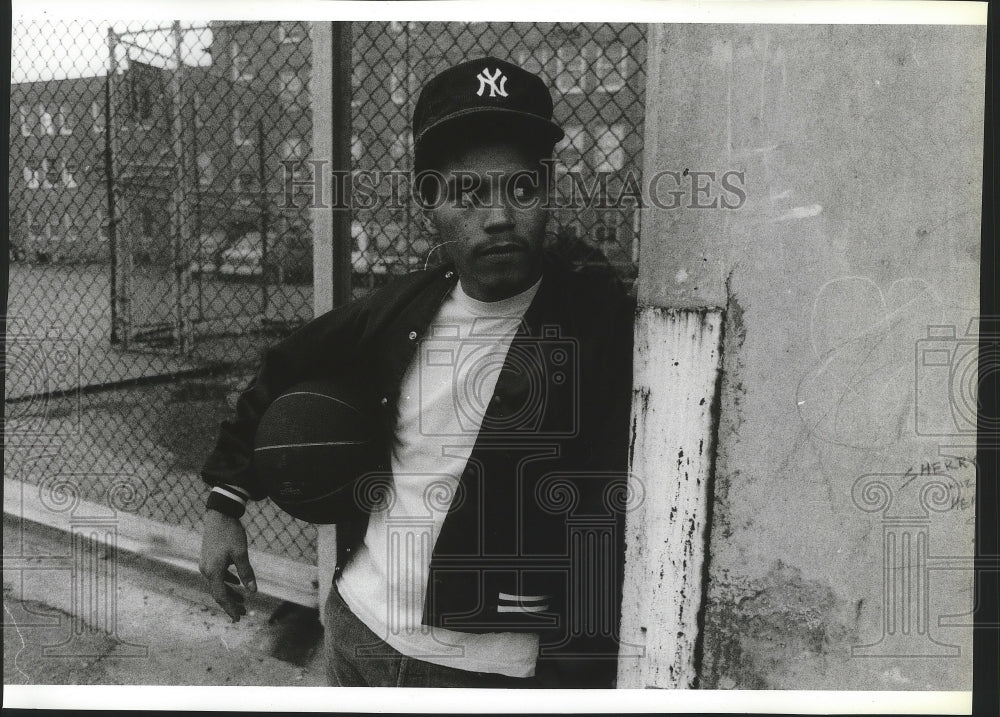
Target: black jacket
point(540, 506)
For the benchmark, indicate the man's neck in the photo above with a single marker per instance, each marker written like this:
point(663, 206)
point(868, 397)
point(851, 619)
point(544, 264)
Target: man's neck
point(479, 292)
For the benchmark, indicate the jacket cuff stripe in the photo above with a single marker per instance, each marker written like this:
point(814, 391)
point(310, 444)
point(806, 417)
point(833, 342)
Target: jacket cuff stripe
point(522, 608)
point(523, 598)
point(231, 491)
point(225, 504)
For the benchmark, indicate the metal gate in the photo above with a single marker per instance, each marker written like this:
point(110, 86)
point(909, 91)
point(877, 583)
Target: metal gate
point(596, 74)
point(202, 251)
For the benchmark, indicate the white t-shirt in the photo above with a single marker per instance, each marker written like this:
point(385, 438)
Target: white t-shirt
point(443, 399)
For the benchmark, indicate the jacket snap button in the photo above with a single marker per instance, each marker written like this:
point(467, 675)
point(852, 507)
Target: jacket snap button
point(384, 401)
point(449, 274)
point(413, 335)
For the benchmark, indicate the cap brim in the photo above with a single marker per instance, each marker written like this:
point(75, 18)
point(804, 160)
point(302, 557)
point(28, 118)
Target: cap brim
point(514, 120)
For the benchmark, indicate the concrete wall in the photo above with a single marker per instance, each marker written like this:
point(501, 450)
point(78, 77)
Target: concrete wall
point(862, 153)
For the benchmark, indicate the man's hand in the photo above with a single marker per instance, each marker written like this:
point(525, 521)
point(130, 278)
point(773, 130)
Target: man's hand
point(224, 543)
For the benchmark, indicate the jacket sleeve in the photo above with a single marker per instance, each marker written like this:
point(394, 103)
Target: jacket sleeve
point(329, 343)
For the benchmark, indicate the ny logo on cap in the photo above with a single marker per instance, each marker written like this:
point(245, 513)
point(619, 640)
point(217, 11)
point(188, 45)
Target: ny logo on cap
point(485, 78)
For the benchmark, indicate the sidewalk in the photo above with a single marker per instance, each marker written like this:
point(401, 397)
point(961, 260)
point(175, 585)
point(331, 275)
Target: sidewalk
point(168, 629)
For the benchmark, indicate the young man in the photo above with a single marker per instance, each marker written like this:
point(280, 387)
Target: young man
point(504, 382)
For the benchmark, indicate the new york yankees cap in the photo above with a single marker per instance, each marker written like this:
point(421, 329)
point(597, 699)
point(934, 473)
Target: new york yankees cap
point(489, 89)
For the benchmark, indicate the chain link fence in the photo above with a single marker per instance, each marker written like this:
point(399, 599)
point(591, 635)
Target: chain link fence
point(153, 249)
point(597, 77)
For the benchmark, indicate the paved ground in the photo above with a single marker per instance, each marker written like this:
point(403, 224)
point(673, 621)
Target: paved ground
point(59, 324)
point(168, 630)
point(158, 434)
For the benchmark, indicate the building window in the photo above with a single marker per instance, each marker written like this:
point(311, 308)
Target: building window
point(399, 147)
point(291, 32)
point(538, 61)
point(293, 149)
point(398, 89)
point(575, 148)
point(610, 154)
point(146, 222)
point(396, 27)
point(36, 228)
point(206, 173)
point(52, 175)
point(247, 182)
point(241, 64)
point(199, 105)
point(98, 164)
point(63, 122)
point(69, 231)
point(97, 117)
point(45, 120)
point(611, 67)
point(571, 67)
point(292, 90)
point(33, 173)
point(397, 150)
point(241, 133)
point(69, 175)
point(141, 99)
point(24, 115)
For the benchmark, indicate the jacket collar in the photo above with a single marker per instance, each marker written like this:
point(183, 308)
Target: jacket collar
point(552, 295)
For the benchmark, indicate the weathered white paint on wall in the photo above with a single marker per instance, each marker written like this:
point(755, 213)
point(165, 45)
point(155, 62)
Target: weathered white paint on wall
point(677, 362)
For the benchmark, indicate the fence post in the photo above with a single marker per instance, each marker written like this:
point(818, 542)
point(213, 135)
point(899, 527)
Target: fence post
point(332, 243)
point(121, 267)
point(179, 203)
point(263, 219)
point(109, 182)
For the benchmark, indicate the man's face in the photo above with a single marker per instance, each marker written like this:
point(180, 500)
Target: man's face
point(493, 220)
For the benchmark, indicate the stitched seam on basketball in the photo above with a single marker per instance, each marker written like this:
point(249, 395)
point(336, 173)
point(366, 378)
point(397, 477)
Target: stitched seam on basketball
point(309, 445)
point(321, 395)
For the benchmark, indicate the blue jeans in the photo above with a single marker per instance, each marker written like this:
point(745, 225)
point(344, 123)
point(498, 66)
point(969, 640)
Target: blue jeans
point(357, 657)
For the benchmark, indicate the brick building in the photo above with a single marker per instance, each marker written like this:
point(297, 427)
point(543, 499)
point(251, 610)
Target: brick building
point(249, 110)
point(57, 193)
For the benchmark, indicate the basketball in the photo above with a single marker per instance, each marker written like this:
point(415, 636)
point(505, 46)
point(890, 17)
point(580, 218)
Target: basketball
point(312, 445)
